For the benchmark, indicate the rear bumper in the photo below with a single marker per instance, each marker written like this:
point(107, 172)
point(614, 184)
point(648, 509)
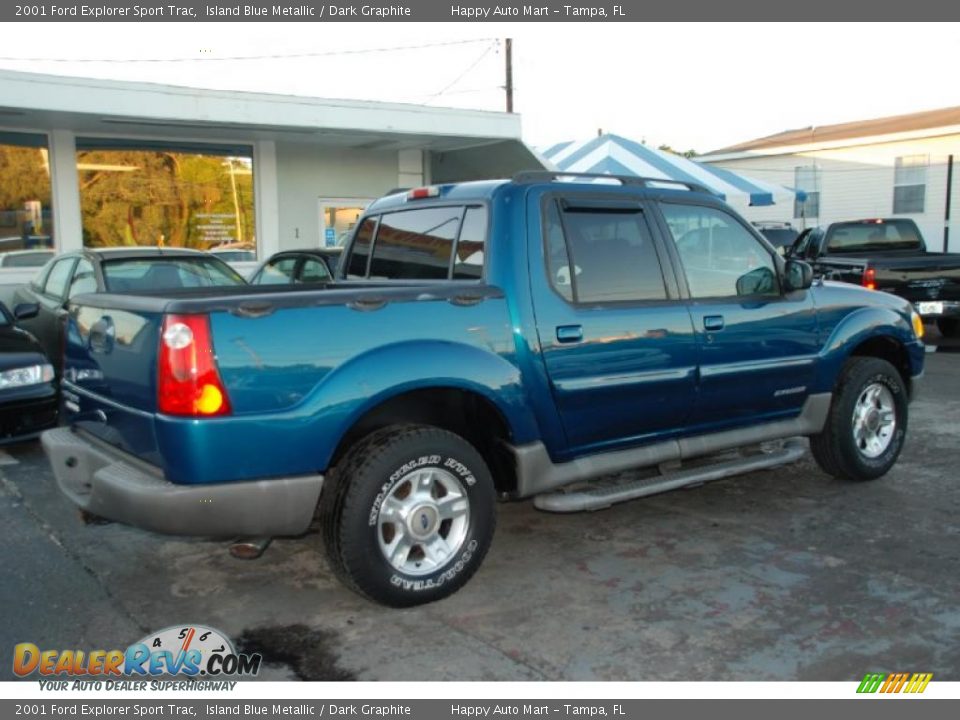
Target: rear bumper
point(115, 485)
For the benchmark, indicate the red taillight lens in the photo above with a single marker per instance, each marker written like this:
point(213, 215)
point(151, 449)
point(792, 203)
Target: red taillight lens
point(188, 382)
point(869, 279)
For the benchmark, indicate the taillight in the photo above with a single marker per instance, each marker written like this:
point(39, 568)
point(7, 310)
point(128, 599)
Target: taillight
point(869, 279)
point(188, 382)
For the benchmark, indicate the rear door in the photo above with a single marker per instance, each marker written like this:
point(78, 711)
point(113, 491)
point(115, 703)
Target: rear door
point(616, 338)
point(757, 346)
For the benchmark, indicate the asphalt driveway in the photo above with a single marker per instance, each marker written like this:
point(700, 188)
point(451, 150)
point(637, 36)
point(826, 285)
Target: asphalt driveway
point(784, 574)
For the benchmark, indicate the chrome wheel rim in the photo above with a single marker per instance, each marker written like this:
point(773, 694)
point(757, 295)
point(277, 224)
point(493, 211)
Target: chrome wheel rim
point(423, 521)
point(874, 420)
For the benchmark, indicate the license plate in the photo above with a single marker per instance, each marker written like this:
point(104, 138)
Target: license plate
point(930, 308)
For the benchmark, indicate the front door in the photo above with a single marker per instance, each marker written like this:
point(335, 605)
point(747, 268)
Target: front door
point(616, 339)
point(338, 217)
point(757, 346)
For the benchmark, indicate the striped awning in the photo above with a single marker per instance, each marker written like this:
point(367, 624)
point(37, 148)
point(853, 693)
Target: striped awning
point(616, 155)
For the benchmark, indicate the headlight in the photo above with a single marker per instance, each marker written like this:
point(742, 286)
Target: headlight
point(917, 325)
point(21, 377)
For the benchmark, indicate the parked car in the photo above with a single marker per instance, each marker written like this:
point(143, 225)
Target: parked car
point(235, 252)
point(298, 267)
point(25, 258)
point(492, 339)
point(888, 254)
point(115, 270)
point(781, 235)
point(28, 396)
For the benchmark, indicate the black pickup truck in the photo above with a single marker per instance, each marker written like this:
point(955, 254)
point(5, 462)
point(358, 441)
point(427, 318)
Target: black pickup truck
point(888, 255)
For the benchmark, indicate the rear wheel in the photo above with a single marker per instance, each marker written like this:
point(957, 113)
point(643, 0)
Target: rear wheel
point(949, 327)
point(867, 423)
point(409, 515)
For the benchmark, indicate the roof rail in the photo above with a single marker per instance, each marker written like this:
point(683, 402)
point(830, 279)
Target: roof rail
point(535, 176)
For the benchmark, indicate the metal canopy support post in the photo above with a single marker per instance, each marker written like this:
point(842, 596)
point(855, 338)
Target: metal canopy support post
point(946, 212)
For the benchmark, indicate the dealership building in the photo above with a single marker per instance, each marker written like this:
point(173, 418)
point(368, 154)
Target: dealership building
point(100, 163)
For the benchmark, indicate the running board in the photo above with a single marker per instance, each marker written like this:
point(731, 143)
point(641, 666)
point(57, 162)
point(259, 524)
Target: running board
point(597, 498)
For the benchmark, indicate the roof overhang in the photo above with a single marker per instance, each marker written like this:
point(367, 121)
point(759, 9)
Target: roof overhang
point(111, 107)
point(800, 149)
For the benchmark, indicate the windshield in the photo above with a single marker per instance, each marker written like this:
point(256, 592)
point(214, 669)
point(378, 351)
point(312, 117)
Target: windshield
point(873, 235)
point(160, 273)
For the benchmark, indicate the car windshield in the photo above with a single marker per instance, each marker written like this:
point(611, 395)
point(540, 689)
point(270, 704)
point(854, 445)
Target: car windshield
point(168, 273)
point(779, 237)
point(873, 235)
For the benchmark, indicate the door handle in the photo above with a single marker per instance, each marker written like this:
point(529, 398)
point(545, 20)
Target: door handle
point(569, 333)
point(712, 323)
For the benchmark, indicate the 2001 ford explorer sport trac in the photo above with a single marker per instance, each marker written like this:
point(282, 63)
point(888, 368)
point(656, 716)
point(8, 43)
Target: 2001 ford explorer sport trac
point(514, 338)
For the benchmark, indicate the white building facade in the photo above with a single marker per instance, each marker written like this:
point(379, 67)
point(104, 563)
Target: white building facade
point(97, 163)
point(889, 167)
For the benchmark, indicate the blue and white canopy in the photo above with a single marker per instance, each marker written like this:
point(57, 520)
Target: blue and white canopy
point(615, 155)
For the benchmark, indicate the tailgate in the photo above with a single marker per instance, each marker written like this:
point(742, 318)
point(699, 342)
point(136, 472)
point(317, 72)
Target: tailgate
point(925, 277)
point(110, 377)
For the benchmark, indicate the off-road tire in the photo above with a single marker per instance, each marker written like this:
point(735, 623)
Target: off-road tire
point(355, 489)
point(835, 448)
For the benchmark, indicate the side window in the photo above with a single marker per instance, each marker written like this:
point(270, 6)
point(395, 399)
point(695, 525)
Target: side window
point(84, 279)
point(415, 244)
point(612, 256)
point(277, 272)
point(468, 263)
point(57, 279)
point(720, 257)
point(801, 244)
point(314, 271)
point(360, 250)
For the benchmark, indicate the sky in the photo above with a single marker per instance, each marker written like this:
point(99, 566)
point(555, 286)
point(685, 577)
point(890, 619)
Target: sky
point(698, 86)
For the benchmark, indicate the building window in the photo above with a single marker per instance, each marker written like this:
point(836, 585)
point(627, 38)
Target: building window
point(910, 183)
point(807, 178)
point(26, 219)
point(143, 193)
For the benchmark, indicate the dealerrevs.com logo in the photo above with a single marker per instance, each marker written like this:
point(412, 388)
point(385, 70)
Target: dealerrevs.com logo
point(191, 651)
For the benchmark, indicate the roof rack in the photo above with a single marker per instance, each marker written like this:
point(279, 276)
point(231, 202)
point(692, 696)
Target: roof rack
point(535, 176)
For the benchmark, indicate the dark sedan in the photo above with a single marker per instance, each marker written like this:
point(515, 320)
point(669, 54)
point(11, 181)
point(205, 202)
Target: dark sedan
point(28, 396)
point(116, 270)
point(298, 267)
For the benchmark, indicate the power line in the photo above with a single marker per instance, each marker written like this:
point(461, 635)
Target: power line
point(275, 56)
point(464, 73)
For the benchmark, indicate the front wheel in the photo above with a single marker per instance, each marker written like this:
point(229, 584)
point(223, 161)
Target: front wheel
point(409, 515)
point(867, 423)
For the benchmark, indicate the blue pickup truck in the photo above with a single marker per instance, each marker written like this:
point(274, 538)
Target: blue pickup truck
point(507, 339)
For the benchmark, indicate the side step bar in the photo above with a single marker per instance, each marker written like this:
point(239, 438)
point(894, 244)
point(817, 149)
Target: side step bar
point(597, 498)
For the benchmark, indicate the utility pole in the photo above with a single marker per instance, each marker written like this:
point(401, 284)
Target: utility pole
point(509, 84)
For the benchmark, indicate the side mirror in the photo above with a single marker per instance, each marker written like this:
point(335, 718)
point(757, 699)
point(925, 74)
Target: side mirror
point(26, 311)
point(797, 275)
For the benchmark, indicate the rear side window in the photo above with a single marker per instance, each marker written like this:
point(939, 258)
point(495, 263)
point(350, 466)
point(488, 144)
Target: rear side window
point(57, 279)
point(415, 244)
point(278, 271)
point(600, 256)
point(314, 270)
point(430, 243)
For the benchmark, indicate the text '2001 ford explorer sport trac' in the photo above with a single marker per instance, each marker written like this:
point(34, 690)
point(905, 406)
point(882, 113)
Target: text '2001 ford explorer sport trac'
point(509, 338)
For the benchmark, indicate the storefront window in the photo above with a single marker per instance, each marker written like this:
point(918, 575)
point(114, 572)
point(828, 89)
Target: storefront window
point(26, 219)
point(167, 195)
